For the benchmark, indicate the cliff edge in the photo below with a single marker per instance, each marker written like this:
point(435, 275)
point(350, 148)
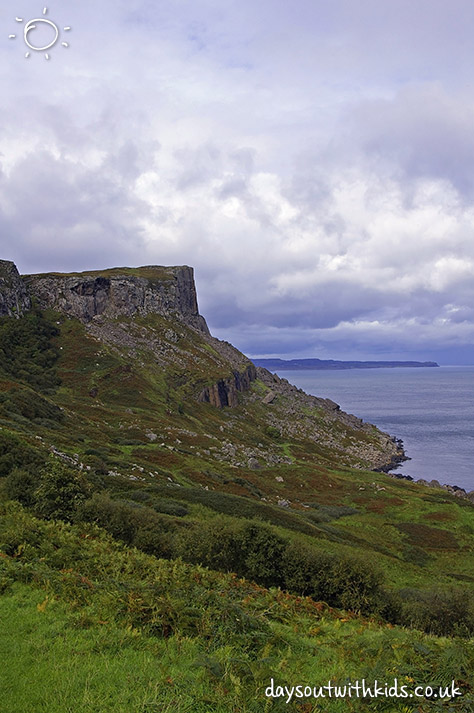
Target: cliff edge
point(14, 297)
point(168, 291)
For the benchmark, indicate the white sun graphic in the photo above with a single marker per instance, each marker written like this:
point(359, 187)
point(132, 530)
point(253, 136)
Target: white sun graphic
point(45, 25)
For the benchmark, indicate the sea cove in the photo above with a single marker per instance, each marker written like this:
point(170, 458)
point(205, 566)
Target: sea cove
point(431, 410)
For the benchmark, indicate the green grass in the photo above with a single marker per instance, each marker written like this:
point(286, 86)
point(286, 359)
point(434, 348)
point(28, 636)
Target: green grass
point(55, 661)
point(90, 625)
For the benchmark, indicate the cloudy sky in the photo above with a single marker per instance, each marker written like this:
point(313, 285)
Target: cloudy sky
point(313, 160)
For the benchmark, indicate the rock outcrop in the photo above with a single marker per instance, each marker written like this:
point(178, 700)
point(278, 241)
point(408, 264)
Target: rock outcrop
point(14, 297)
point(169, 291)
point(296, 414)
point(225, 391)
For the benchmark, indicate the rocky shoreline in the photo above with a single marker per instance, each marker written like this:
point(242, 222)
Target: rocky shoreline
point(396, 462)
point(455, 490)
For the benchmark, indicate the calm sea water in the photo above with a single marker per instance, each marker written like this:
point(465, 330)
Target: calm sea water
point(430, 409)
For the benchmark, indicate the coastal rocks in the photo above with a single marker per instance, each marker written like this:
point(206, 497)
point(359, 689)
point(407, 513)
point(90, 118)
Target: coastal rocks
point(295, 414)
point(14, 297)
point(168, 291)
point(455, 490)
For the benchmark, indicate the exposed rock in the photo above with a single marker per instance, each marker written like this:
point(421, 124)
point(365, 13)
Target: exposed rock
point(14, 297)
point(225, 391)
point(269, 397)
point(300, 415)
point(169, 291)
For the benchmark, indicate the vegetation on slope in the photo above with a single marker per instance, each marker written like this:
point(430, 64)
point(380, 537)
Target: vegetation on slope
point(134, 633)
point(109, 433)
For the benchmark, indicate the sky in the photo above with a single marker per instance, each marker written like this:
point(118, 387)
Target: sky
point(312, 160)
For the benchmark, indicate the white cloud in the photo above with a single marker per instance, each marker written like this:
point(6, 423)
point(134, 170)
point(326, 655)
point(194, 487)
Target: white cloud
point(312, 161)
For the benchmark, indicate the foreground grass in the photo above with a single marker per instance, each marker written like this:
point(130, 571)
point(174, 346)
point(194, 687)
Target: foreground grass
point(90, 625)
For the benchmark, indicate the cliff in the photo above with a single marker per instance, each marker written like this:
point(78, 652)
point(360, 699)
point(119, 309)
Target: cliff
point(167, 291)
point(14, 297)
point(146, 322)
point(225, 391)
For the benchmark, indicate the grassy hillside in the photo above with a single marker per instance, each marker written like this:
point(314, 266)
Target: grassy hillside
point(132, 422)
point(119, 630)
point(101, 427)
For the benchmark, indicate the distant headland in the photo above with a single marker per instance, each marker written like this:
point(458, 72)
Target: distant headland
point(312, 364)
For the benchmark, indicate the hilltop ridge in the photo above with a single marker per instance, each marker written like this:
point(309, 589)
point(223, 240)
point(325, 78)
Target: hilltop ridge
point(169, 291)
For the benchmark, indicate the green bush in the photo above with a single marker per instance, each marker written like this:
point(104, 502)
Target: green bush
point(113, 516)
point(261, 553)
point(341, 581)
point(27, 352)
point(15, 453)
point(356, 584)
point(249, 549)
point(214, 545)
point(20, 486)
point(30, 405)
point(303, 568)
point(273, 432)
point(130, 522)
point(443, 612)
point(326, 513)
point(161, 505)
point(59, 493)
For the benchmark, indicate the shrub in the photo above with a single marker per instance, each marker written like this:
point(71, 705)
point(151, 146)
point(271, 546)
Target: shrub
point(261, 553)
point(273, 432)
point(20, 485)
point(29, 405)
point(303, 567)
point(59, 493)
point(129, 522)
point(112, 515)
point(214, 545)
point(250, 550)
point(356, 584)
point(443, 612)
point(27, 352)
point(326, 513)
point(15, 453)
point(169, 507)
point(341, 581)
point(161, 505)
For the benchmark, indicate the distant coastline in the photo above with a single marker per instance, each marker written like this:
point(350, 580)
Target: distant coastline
point(312, 364)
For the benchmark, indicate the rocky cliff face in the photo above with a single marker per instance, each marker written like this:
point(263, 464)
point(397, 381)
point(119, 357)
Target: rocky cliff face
point(14, 297)
point(169, 291)
point(225, 391)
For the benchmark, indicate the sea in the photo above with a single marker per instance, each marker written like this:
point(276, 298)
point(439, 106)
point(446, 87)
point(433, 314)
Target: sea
point(430, 408)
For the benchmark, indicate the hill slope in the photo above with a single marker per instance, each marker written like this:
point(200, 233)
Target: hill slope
point(140, 394)
point(118, 409)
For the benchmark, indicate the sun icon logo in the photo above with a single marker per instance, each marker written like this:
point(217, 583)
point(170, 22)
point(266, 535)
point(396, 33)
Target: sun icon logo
point(47, 27)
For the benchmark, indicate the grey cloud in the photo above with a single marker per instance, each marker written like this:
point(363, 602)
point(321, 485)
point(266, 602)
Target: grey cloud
point(313, 161)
